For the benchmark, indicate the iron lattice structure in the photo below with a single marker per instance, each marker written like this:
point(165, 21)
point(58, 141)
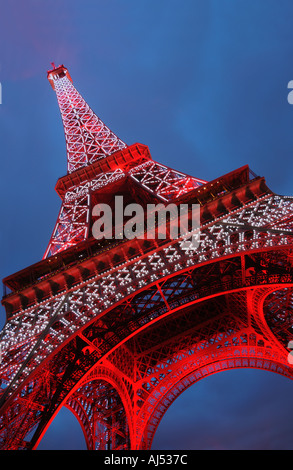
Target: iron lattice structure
point(115, 330)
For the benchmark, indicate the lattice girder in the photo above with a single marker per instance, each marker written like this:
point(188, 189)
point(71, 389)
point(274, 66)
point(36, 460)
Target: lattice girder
point(73, 223)
point(87, 137)
point(167, 353)
point(88, 140)
point(168, 259)
point(140, 320)
point(111, 333)
point(187, 376)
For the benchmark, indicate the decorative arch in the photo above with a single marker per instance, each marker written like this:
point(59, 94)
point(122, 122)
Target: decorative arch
point(190, 344)
point(188, 376)
point(154, 304)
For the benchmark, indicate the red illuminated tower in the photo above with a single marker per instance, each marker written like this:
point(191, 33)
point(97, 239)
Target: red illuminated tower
point(116, 329)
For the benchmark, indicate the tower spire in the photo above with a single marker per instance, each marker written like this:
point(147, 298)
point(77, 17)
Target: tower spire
point(87, 137)
point(97, 157)
point(115, 329)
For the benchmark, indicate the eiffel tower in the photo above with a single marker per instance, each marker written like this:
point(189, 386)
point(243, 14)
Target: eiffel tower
point(115, 329)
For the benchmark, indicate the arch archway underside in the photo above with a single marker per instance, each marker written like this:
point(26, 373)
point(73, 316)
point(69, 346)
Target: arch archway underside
point(203, 273)
point(195, 343)
point(99, 408)
point(158, 405)
point(158, 371)
point(162, 299)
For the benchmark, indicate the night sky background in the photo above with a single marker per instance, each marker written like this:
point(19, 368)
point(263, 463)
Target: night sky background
point(203, 83)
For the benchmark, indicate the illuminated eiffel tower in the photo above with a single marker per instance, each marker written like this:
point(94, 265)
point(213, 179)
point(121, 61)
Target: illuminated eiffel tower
point(116, 329)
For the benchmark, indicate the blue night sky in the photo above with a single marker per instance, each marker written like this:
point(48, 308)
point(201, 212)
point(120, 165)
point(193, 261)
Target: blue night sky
point(203, 83)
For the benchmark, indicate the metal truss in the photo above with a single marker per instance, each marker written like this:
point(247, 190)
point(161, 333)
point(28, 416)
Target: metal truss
point(165, 183)
point(117, 331)
point(72, 225)
point(87, 137)
point(73, 221)
point(100, 411)
point(88, 313)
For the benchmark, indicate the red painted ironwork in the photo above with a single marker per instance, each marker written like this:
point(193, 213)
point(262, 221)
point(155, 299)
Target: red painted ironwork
point(115, 329)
